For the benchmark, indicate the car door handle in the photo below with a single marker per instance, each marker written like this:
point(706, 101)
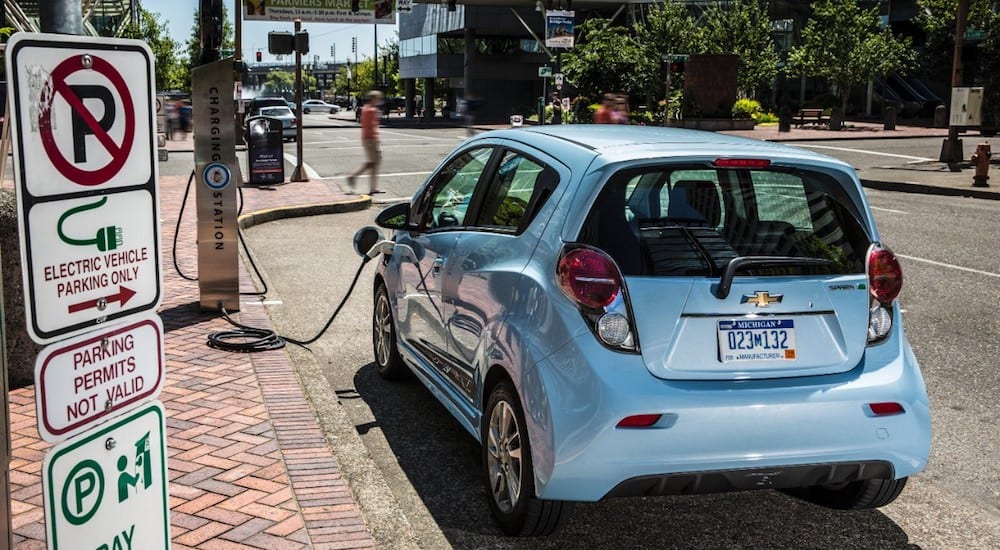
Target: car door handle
point(438, 263)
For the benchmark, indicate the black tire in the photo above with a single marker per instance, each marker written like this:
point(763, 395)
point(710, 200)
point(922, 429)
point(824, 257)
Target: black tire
point(508, 474)
point(857, 495)
point(305, 111)
point(387, 360)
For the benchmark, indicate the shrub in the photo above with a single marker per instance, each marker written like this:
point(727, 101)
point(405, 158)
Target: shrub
point(746, 108)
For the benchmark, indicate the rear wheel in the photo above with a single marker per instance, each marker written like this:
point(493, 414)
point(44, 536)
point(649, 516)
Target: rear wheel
point(387, 360)
point(857, 495)
point(510, 479)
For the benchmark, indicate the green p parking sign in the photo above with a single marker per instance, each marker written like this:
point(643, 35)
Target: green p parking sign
point(108, 488)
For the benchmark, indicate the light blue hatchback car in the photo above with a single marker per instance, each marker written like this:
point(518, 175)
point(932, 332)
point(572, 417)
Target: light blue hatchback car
point(630, 311)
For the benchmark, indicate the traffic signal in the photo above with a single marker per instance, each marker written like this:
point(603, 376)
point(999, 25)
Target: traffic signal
point(355, 6)
point(354, 44)
point(451, 5)
point(677, 67)
point(259, 56)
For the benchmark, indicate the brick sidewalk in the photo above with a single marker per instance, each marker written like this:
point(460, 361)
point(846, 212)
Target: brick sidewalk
point(249, 466)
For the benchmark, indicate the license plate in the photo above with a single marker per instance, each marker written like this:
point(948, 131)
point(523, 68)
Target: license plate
point(757, 340)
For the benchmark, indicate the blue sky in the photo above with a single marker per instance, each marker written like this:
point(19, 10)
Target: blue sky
point(179, 15)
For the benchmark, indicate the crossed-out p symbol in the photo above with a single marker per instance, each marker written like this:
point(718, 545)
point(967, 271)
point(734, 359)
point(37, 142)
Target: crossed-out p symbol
point(82, 492)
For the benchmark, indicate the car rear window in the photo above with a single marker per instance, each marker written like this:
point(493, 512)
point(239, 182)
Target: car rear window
point(692, 220)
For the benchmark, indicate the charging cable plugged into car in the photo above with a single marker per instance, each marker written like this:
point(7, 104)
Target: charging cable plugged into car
point(368, 243)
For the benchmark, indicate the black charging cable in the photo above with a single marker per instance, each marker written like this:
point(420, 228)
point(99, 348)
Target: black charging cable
point(239, 233)
point(247, 339)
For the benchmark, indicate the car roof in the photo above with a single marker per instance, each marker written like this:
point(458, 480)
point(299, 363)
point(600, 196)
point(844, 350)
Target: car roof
point(631, 142)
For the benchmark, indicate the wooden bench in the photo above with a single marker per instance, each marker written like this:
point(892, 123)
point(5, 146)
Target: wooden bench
point(810, 116)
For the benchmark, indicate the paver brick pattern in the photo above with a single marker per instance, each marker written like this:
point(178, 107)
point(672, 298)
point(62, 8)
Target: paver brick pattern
point(244, 447)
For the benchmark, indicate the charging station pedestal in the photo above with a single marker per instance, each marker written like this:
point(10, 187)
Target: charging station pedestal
point(217, 176)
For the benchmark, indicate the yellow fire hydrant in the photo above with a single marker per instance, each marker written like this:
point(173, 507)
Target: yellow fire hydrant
point(981, 162)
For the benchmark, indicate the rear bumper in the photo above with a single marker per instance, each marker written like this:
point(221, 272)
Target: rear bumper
point(693, 483)
point(719, 436)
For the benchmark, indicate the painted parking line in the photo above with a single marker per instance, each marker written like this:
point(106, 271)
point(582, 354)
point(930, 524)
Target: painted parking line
point(877, 153)
point(880, 209)
point(949, 266)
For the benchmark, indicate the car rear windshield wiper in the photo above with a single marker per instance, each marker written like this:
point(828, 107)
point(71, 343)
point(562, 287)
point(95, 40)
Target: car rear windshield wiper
point(747, 262)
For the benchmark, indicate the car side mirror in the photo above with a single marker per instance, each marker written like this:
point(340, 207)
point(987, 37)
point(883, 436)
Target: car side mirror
point(395, 216)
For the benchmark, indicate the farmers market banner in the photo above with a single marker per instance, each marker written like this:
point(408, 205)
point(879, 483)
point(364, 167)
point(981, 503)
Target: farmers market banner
point(382, 12)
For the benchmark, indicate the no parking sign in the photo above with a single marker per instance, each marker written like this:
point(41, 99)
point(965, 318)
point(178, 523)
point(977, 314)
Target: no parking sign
point(85, 165)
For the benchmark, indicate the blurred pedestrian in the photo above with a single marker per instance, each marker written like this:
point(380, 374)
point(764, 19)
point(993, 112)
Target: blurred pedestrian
point(619, 114)
point(557, 109)
point(603, 113)
point(370, 142)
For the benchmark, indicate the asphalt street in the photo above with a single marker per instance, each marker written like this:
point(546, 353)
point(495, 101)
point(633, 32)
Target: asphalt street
point(417, 473)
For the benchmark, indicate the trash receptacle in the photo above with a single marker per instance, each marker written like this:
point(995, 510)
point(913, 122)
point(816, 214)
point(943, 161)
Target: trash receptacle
point(940, 116)
point(890, 117)
point(265, 150)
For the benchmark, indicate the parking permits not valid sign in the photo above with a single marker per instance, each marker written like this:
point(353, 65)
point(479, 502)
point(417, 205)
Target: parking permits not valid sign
point(89, 378)
point(108, 488)
point(83, 126)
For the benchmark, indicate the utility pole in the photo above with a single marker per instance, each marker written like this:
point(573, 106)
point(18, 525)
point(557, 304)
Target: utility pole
point(951, 149)
point(61, 16)
point(299, 174)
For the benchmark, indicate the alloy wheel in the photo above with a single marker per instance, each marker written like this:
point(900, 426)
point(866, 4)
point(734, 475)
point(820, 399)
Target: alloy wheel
point(504, 456)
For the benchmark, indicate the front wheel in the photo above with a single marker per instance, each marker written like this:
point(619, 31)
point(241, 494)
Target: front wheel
point(856, 495)
point(387, 360)
point(510, 479)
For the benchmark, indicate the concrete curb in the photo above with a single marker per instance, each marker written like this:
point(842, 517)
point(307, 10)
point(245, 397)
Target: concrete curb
point(246, 221)
point(916, 188)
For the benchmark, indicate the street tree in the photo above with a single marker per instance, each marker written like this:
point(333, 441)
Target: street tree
point(282, 83)
point(193, 47)
point(937, 19)
point(743, 28)
point(154, 32)
point(604, 59)
point(665, 29)
point(847, 45)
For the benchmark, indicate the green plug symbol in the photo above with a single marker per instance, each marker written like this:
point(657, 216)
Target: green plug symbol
point(107, 238)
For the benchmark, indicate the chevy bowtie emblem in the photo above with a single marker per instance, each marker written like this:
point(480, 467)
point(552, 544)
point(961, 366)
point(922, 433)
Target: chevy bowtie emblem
point(761, 299)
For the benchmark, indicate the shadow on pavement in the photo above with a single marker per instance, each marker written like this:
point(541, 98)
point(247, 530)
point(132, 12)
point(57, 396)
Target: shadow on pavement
point(442, 462)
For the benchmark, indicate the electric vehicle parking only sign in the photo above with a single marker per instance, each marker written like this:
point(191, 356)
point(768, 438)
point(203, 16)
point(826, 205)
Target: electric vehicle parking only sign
point(107, 489)
point(85, 164)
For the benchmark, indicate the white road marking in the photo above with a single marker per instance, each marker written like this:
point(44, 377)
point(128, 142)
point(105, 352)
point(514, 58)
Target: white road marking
point(950, 266)
point(262, 303)
point(879, 153)
point(888, 210)
point(310, 173)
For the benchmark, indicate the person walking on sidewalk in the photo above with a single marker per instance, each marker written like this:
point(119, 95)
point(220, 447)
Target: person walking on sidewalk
point(370, 141)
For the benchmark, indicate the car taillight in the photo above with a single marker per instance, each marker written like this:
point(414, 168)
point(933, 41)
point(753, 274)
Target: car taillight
point(885, 277)
point(591, 279)
point(752, 164)
point(588, 277)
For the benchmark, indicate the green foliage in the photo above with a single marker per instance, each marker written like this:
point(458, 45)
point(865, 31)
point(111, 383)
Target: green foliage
point(746, 108)
point(743, 28)
point(603, 60)
point(765, 118)
point(282, 83)
point(193, 47)
point(666, 29)
point(847, 46)
point(155, 33)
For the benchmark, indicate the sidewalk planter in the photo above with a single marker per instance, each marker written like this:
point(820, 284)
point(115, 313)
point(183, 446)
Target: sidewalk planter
point(713, 124)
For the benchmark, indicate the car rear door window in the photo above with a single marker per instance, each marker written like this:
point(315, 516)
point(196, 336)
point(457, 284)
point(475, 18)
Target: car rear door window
point(515, 192)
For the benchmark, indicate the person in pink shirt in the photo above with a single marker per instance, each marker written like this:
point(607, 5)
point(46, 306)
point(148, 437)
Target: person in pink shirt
point(370, 141)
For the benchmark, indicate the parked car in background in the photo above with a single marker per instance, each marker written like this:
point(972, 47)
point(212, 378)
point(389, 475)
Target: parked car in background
point(638, 311)
point(318, 106)
point(257, 103)
point(289, 124)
